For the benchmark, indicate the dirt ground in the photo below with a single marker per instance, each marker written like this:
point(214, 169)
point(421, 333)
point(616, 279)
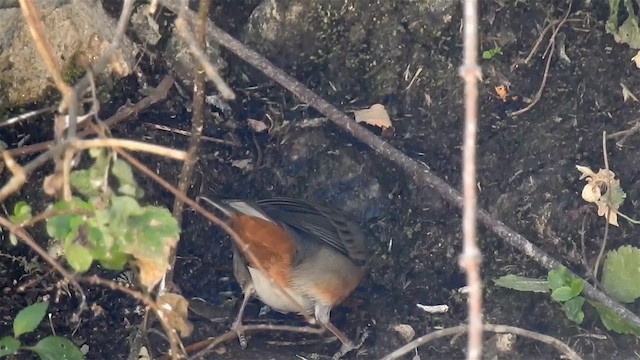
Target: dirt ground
point(526, 178)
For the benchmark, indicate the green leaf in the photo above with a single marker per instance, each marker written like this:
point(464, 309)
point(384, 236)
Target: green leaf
point(621, 274)
point(9, 346)
point(522, 283)
point(562, 294)
point(78, 257)
point(128, 185)
point(613, 322)
point(558, 277)
point(81, 182)
point(61, 227)
point(152, 231)
point(56, 348)
point(612, 23)
point(617, 197)
point(576, 287)
point(114, 261)
point(21, 212)
point(28, 318)
point(96, 152)
point(573, 309)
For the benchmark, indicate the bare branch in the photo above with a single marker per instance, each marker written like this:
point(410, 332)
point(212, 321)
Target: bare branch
point(470, 257)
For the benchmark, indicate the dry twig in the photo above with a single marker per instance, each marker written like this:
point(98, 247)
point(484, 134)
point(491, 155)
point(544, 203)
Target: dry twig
point(197, 124)
point(562, 347)
point(124, 113)
point(470, 257)
point(550, 50)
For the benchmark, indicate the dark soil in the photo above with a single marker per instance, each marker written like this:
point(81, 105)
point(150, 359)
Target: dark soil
point(526, 176)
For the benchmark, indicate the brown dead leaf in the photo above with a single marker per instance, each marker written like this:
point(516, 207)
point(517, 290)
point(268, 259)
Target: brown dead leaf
point(636, 59)
point(257, 126)
point(52, 183)
point(599, 189)
point(376, 115)
point(151, 271)
point(176, 310)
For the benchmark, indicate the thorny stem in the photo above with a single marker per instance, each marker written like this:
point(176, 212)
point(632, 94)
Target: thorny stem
point(470, 257)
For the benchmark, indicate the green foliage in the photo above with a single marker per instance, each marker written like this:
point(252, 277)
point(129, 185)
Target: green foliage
point(112, 227)
point(566, 290)
point(629, 31)
point(491, 53)
point(9, 346)
point(28, 318)
point(621, 274)
point(613, 322)
point(522, 283)
point(21, 213)
point(48, 348)
point(55, 348)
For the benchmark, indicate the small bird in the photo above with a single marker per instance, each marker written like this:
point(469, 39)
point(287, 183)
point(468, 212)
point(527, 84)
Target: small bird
point(313, 252)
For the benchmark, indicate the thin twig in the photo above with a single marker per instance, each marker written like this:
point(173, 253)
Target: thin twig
point(605, 236)
point(187, 133)
point(552, 41)
point(206, 346)
point(177, 347)
point(585, 261)
point(562, 347)
point(197, 124)
point(129, 145)
point(201, 57)
point(26, 116)
point(24, 236)
point(624, 134)
point(105, 58)
point(471, 255)
point(36, 28)
point(125, 112)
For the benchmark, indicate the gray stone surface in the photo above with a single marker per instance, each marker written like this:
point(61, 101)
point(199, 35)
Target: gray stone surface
point(79, 32)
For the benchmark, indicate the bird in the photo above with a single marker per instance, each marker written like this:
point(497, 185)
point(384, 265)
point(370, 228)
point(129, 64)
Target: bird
point(313, 252)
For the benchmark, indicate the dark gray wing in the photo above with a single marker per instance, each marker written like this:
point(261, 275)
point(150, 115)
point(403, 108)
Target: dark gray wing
point(319, 223)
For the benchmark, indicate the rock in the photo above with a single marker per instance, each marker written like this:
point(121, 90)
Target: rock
point(78, 32)
point(357, 44)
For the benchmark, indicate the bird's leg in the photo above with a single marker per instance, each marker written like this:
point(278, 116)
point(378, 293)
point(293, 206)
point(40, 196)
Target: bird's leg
point(237, 325)
point(322, 314)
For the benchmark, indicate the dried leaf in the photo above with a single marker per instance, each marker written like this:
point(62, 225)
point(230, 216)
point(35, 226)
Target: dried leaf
point(257, 126)
point(604, 190)
point(406, 331)
point(151, 271)
point(636, 59)
point(176, 309)
point(591, 193)
point(376, 115)
point(243, 164)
